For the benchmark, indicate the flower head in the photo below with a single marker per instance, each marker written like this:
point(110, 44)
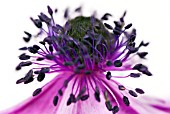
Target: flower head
point(84, 54)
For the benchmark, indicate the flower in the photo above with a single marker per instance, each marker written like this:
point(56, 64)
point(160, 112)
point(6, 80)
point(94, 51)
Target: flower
point(84, 54)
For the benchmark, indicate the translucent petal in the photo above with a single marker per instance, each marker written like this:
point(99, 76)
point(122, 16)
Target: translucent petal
point(43, 103)
point(141, 105)
point(89, 106)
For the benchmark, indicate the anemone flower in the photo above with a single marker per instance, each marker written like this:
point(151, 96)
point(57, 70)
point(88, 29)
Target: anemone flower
point(84, 54)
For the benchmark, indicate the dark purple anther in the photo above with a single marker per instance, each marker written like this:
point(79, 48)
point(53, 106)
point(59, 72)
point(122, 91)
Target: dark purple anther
point(55, 100)
point(142, 54)
point(126, 101)
point(108, 26)
point(128, 26)
point(36, 92)
point(132, 93)
point(140, 91)
point(50, 11)
point(78, 9)
point(105, 16)
point(135, 75)
point(66, 13)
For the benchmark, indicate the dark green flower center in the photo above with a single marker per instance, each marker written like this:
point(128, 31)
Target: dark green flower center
point(90, 34)
point(80, 25)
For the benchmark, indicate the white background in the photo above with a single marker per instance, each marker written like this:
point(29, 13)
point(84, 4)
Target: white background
point(150, 17)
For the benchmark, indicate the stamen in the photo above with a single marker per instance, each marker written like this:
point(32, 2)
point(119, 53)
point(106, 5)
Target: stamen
point(121, 87)
point(69, 101)
point(109, 93)
point(36, 47)
point(32, 50)
point(108, 75)
point(97, 94)
point(72, 98)
point(135, 75)
point(115, 109)
point(137, 66)
point(29, 80)
point(116, 32)
point(132, 38)
point(66, 83)
point(18, 67)
point(132, 50)
point(56, 10)
point(60, 92)
point(20, 81)
point(23, 48)
point(44, 18)
point(84, 97)
point(37, 22)
point(28, 75)
point(24, 57)
point(109, 63)
point(36, 72)
point(78, 9)
point(143, 44)
point(40, 59)
point(68, 63)
point(105, 16)
point(126, 101)
point(142, 54)
point(83, 90)
point(26, 39)
point(108, 105)
point(36, 92)
point(117, 24)
point(143, 69)
point(50, 11)
point(66, 13)
point(58, 29)
point(51, 48)
point(132, 93)
point(122, 18)
point(42, 42)
point(117, 63)
point(140, 91)
point(48, 40)
point(108, 26)
point(55, 100)
point(49, 56)
point(106, 96)
point(147, 72)
point(41, 76)
point(45, 70)
point(128, 26)
point(28, 34)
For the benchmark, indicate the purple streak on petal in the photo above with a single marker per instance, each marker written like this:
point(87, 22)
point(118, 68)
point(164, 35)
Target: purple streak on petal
point(142, 105)
point(162, 108)
point(89, 106)
point(43, 103)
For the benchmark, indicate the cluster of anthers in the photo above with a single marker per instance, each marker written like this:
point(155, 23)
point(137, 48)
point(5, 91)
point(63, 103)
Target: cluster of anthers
point(86, 49)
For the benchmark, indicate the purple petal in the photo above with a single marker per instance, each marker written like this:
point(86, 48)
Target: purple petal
point(43, 103)
point(140, 105)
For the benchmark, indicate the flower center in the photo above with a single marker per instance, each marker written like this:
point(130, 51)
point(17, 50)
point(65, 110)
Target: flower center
point(92, 36)
point(81, 25)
